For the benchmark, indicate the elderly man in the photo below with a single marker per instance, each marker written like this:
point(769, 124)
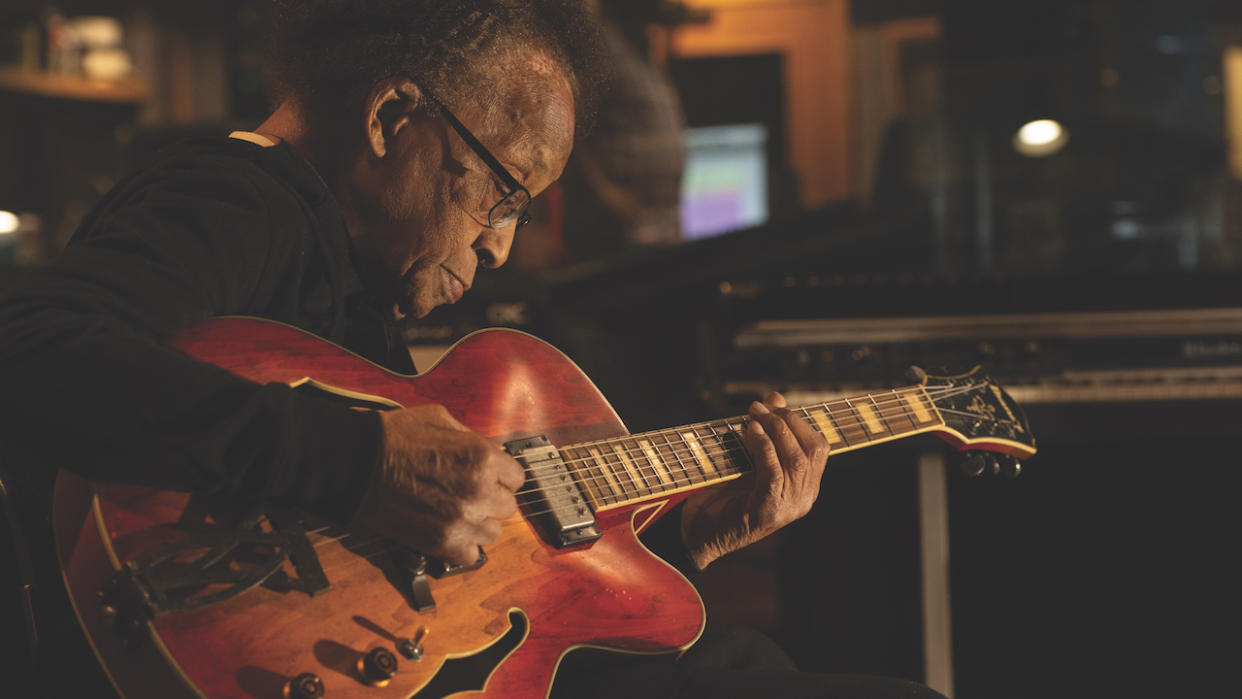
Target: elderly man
point(401, 161)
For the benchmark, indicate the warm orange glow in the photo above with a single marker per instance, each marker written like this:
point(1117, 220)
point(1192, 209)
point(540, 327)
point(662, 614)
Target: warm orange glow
point(814, 38)
point(1233, 106)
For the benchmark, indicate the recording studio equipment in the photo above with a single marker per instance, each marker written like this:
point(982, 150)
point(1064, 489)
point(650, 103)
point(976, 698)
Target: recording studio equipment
point(1045, 358)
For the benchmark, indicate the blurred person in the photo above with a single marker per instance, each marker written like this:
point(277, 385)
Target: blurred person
point(623, 182)
point(400, 161)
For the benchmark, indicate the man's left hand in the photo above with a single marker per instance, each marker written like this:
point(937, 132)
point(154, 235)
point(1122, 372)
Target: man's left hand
point(788, 456)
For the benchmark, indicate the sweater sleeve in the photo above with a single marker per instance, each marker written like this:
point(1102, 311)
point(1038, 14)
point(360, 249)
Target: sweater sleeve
point(90, 384)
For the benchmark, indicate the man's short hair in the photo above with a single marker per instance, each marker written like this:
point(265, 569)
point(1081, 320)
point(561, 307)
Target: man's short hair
point(328, 54)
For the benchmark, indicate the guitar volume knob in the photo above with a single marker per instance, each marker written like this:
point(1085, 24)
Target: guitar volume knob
point(305, 686)
point(378, 666)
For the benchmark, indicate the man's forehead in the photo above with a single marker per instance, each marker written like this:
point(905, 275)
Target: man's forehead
point(531, 109)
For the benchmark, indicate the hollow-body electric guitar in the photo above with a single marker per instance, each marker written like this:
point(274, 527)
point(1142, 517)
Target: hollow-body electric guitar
point(182, 597)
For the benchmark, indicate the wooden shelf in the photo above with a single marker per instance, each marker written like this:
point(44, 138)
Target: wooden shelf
point(73, 87)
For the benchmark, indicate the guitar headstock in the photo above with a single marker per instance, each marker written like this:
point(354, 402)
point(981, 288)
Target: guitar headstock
point(979, 416)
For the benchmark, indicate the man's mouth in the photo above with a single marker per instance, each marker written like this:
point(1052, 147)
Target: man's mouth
point(457, 287)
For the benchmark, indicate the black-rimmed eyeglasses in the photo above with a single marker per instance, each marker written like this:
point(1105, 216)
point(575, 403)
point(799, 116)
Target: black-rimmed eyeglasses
point(514, 205)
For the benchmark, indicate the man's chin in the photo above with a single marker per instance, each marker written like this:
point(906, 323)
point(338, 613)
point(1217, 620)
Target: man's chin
point(412, 308)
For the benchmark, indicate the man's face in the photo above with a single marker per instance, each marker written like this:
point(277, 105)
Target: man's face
point(418, 214)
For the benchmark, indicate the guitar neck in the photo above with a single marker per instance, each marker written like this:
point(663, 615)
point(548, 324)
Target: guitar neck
point(646, 466)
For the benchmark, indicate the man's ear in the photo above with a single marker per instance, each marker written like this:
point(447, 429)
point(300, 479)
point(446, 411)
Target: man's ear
point(390, 108)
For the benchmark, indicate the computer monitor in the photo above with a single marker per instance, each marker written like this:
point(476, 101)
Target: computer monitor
point(725, 185)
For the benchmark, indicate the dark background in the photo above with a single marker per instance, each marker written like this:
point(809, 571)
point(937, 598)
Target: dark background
point(1104, 570)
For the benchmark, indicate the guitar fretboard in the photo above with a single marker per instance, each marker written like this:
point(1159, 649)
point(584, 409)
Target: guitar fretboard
point(639, 467)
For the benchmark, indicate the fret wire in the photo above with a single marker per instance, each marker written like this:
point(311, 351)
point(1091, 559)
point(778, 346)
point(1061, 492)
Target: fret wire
point(806, 415)
point(631, 472)
point(694, 469)
point(726, 451)
point(658, 464)
point(715, 450)
point(845, 430)
point(928, 404)
point(619, 473)
point(822, 419)
point(837, 419)
point(606, 477)
point(601, 480)
point(836, 425)
point(598, 477)
point(725, 454)
point(598, 480)
point(834, 418)
point(870, 422)
point(601, 454)
point(909, 413)
point(736, 437)
point(858, 422)
point(720, 445)
point(700, 455)
point(636, 456)
point(880, 414)
point(616, 477)
point(690, 475)
point(577, 466)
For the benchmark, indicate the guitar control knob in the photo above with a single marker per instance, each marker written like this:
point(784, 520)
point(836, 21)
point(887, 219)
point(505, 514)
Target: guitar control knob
point(378, 666)
point(412, 648)
point(305, 686)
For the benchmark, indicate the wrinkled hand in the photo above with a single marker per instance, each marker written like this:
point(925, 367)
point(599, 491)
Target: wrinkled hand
point(441, 490)
point(789, 457)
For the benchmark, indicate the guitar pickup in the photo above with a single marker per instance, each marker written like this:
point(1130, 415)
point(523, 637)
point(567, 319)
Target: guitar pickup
point(558, 506)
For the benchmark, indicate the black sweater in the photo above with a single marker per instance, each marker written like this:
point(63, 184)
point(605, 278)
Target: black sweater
point(215, 227)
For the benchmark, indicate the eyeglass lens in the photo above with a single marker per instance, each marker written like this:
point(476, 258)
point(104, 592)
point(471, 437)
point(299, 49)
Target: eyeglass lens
point(512, 207)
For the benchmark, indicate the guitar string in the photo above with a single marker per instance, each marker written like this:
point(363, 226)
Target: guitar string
point(621, 473)
point(845, 423)
point(362, 542)
point(851, 432)
point(679, 482)
point(614, 483)
point(651, 484)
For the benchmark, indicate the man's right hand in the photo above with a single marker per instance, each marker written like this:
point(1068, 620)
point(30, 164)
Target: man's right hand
point(441, 490)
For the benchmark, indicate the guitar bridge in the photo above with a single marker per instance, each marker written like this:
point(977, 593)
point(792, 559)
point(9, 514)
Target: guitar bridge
point(555, 503)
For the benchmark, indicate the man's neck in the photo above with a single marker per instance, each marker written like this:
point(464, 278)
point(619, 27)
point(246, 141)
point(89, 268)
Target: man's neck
point(289, 124)
point(285, 124)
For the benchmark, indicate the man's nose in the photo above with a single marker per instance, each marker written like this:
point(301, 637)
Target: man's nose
point(492, 246)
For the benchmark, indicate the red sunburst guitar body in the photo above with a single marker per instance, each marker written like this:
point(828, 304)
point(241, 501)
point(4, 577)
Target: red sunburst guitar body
point(179, 599)
point(612, 593)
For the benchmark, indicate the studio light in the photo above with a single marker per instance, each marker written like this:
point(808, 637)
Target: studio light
point(8, 222)
point(1040, 138)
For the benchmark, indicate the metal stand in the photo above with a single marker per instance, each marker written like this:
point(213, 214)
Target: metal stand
point(934, 534)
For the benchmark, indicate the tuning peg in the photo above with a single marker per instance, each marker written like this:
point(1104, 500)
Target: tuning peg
point(974, 464)
point(1008, 466)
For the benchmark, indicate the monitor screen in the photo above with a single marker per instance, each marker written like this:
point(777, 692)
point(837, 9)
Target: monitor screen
point(725, 185)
